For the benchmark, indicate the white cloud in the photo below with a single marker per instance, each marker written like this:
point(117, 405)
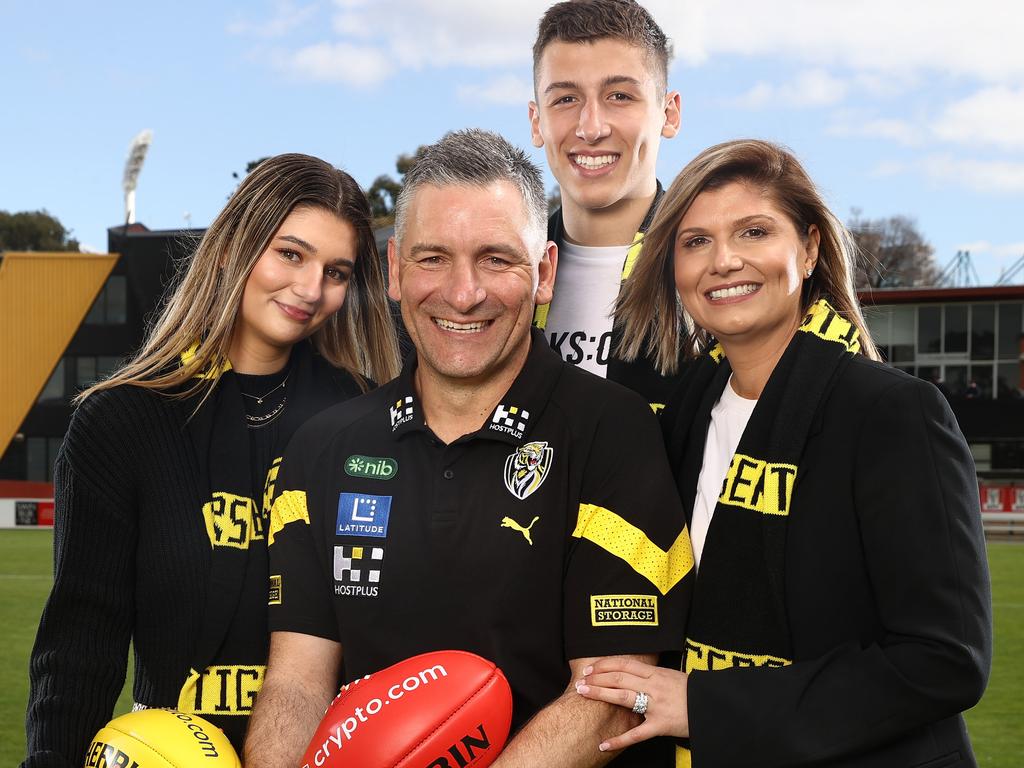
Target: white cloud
point(981, 175)
point(993, 116)
point(507, 89)
point(853, 123)
point(342, 63)
point(287, 16)
point(812, 88)
point(980, 39)
point(884, 44)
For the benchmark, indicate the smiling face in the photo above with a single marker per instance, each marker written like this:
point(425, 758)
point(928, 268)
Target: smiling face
point(466, 272)
point(600, 114)
point(739, 266)
point(298, 282)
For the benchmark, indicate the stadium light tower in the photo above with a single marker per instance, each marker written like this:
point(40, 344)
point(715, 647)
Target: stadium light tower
point(132, 166)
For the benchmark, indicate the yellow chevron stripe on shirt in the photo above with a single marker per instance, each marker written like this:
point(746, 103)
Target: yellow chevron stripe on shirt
point(289, 507)
point(627, 542)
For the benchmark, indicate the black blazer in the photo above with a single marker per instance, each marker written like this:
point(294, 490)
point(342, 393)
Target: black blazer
point(887, 594)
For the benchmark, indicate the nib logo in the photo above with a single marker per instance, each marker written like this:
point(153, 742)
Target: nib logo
point(380, 468)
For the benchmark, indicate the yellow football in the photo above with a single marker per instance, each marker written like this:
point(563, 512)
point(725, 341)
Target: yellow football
point(160, 738)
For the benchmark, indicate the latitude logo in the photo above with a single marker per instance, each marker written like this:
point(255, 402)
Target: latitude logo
point(375, 467)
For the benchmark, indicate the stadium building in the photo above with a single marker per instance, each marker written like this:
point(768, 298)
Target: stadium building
point(72, 326)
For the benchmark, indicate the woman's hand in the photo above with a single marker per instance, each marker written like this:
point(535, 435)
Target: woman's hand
point(618, 680)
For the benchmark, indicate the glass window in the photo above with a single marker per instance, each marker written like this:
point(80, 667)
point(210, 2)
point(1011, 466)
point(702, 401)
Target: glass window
point(1008, 454)
point(85, 373)
point(955, 379)
point(929, 330)
point(106, 366)
point(111, 305)
point(35, 458)
point(1010, 331)
point(55, 387)
point(955, 334)
point(929, 373)
point(877, 319)
point(983, 321)
point(117, 300)
point(901, 342)
point(1010, 380)
point(981, 379)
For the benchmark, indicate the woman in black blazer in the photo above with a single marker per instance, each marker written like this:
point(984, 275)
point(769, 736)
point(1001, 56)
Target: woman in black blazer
point(842, 595)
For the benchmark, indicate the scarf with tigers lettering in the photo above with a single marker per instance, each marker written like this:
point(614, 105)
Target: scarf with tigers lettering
point(738, 615)
point(231, 650)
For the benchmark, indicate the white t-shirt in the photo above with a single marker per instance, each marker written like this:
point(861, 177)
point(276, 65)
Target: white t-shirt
point(579, 324)
point(729, 418)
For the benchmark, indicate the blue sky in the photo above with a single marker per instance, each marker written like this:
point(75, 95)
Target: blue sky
point(895, 106)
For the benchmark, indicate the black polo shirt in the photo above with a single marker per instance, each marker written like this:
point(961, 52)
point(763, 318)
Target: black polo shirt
point(554, 532)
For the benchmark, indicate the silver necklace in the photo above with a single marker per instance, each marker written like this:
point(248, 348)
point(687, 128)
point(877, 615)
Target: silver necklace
point(262, 421)
point(259, 398)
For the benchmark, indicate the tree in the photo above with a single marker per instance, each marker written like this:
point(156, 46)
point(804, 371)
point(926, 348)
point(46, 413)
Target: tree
point(383, 193)
point(34, 231)
point(892, 253)
point(249, 167)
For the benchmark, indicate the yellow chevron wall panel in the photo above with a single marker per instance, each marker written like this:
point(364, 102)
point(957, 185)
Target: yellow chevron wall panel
point(43, 299)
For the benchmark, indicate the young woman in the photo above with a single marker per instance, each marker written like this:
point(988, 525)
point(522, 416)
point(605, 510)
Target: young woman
point(841, 612)
point(166, 475)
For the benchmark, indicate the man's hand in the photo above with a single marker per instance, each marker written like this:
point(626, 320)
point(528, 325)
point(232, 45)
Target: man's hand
point(568, 731)
point(617, 679)
point(302, 678)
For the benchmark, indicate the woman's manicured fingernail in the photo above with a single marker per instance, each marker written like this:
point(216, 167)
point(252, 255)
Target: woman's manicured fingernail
point(581, 688)
point(603, 746)
point(587, 670)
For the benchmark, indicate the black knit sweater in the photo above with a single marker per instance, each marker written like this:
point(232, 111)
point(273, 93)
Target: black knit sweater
point(131, 562)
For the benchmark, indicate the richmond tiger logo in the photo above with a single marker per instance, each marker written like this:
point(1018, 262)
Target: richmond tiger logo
point(527, 468)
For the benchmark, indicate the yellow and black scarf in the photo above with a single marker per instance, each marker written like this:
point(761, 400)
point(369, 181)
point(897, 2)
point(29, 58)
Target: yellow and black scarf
point(229, 657)
point(738, 615)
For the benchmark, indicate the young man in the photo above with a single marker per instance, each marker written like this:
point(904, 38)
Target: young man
point(600, 69)
point(500, 513)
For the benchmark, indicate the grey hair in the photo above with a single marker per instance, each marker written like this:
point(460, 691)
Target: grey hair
point(478, 158)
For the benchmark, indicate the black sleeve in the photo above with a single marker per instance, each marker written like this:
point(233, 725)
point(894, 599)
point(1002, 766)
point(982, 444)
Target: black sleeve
point(916, 499)
point(629, 574)
point(299, 598)
point(77, 667)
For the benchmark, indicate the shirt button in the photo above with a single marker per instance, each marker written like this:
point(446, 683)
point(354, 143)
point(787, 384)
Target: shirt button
point(448, 474)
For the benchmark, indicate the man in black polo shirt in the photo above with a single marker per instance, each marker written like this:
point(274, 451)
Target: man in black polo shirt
point(491, 498)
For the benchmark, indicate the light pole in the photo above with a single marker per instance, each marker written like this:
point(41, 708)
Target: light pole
point(132, 166)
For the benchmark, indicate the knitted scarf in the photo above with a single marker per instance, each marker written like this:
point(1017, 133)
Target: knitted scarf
point(230, 654)
point(738, 615)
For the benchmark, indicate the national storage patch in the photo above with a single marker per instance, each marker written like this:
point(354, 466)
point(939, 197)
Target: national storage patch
point(624, 610)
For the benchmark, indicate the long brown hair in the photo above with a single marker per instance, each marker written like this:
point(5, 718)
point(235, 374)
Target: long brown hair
point(204, 303)
point(648, 310)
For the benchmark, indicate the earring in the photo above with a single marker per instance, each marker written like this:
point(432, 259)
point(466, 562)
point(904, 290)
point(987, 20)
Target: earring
point(808, 272)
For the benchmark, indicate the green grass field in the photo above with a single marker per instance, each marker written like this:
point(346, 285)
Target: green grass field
point(996, 724)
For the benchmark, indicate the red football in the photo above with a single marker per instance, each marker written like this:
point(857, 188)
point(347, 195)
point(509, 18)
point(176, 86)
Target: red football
point(445, 709)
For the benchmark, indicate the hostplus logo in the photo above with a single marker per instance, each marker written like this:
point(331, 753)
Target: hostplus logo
point(401, 412)
point(357, 570)
point(511, 420)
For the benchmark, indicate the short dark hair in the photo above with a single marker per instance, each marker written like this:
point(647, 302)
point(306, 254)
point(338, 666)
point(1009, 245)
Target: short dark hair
point(584, 21)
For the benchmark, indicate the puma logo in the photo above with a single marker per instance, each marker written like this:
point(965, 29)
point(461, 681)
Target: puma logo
point(508, 522)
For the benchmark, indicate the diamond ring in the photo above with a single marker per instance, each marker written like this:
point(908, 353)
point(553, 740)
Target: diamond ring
point(640, 705)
